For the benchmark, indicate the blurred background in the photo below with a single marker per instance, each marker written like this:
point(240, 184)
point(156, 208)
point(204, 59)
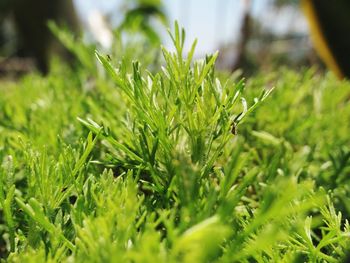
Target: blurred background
point(250, 35)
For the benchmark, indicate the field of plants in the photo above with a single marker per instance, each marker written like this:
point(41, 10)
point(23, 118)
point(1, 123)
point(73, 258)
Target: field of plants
point(147, 155)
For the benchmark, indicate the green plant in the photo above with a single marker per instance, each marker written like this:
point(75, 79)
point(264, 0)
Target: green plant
point(173, 165)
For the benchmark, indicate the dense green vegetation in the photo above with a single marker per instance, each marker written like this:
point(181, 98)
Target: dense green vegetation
point(135, 162)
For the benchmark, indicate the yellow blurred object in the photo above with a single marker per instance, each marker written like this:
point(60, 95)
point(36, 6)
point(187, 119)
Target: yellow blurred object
point(330, 31)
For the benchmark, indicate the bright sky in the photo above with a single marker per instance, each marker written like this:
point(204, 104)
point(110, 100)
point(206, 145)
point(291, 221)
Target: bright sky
point(213, 22)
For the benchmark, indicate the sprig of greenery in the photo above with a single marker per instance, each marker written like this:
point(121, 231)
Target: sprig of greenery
point(172, 164)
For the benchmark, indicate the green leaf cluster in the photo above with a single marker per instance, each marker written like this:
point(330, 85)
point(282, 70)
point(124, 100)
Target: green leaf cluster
point(173, 164)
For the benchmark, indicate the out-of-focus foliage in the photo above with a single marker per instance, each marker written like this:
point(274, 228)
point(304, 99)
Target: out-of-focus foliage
point(286, 2)
point(140, 17)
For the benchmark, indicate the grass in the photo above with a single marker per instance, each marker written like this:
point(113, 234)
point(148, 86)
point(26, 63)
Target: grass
point(142, 163)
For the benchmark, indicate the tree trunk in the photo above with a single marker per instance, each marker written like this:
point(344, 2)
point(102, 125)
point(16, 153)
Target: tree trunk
point(35, 38)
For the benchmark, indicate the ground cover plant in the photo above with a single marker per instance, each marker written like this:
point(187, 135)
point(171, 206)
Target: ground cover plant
point(126, 161)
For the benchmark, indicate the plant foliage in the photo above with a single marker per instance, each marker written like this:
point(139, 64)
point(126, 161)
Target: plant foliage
point(173, 165)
